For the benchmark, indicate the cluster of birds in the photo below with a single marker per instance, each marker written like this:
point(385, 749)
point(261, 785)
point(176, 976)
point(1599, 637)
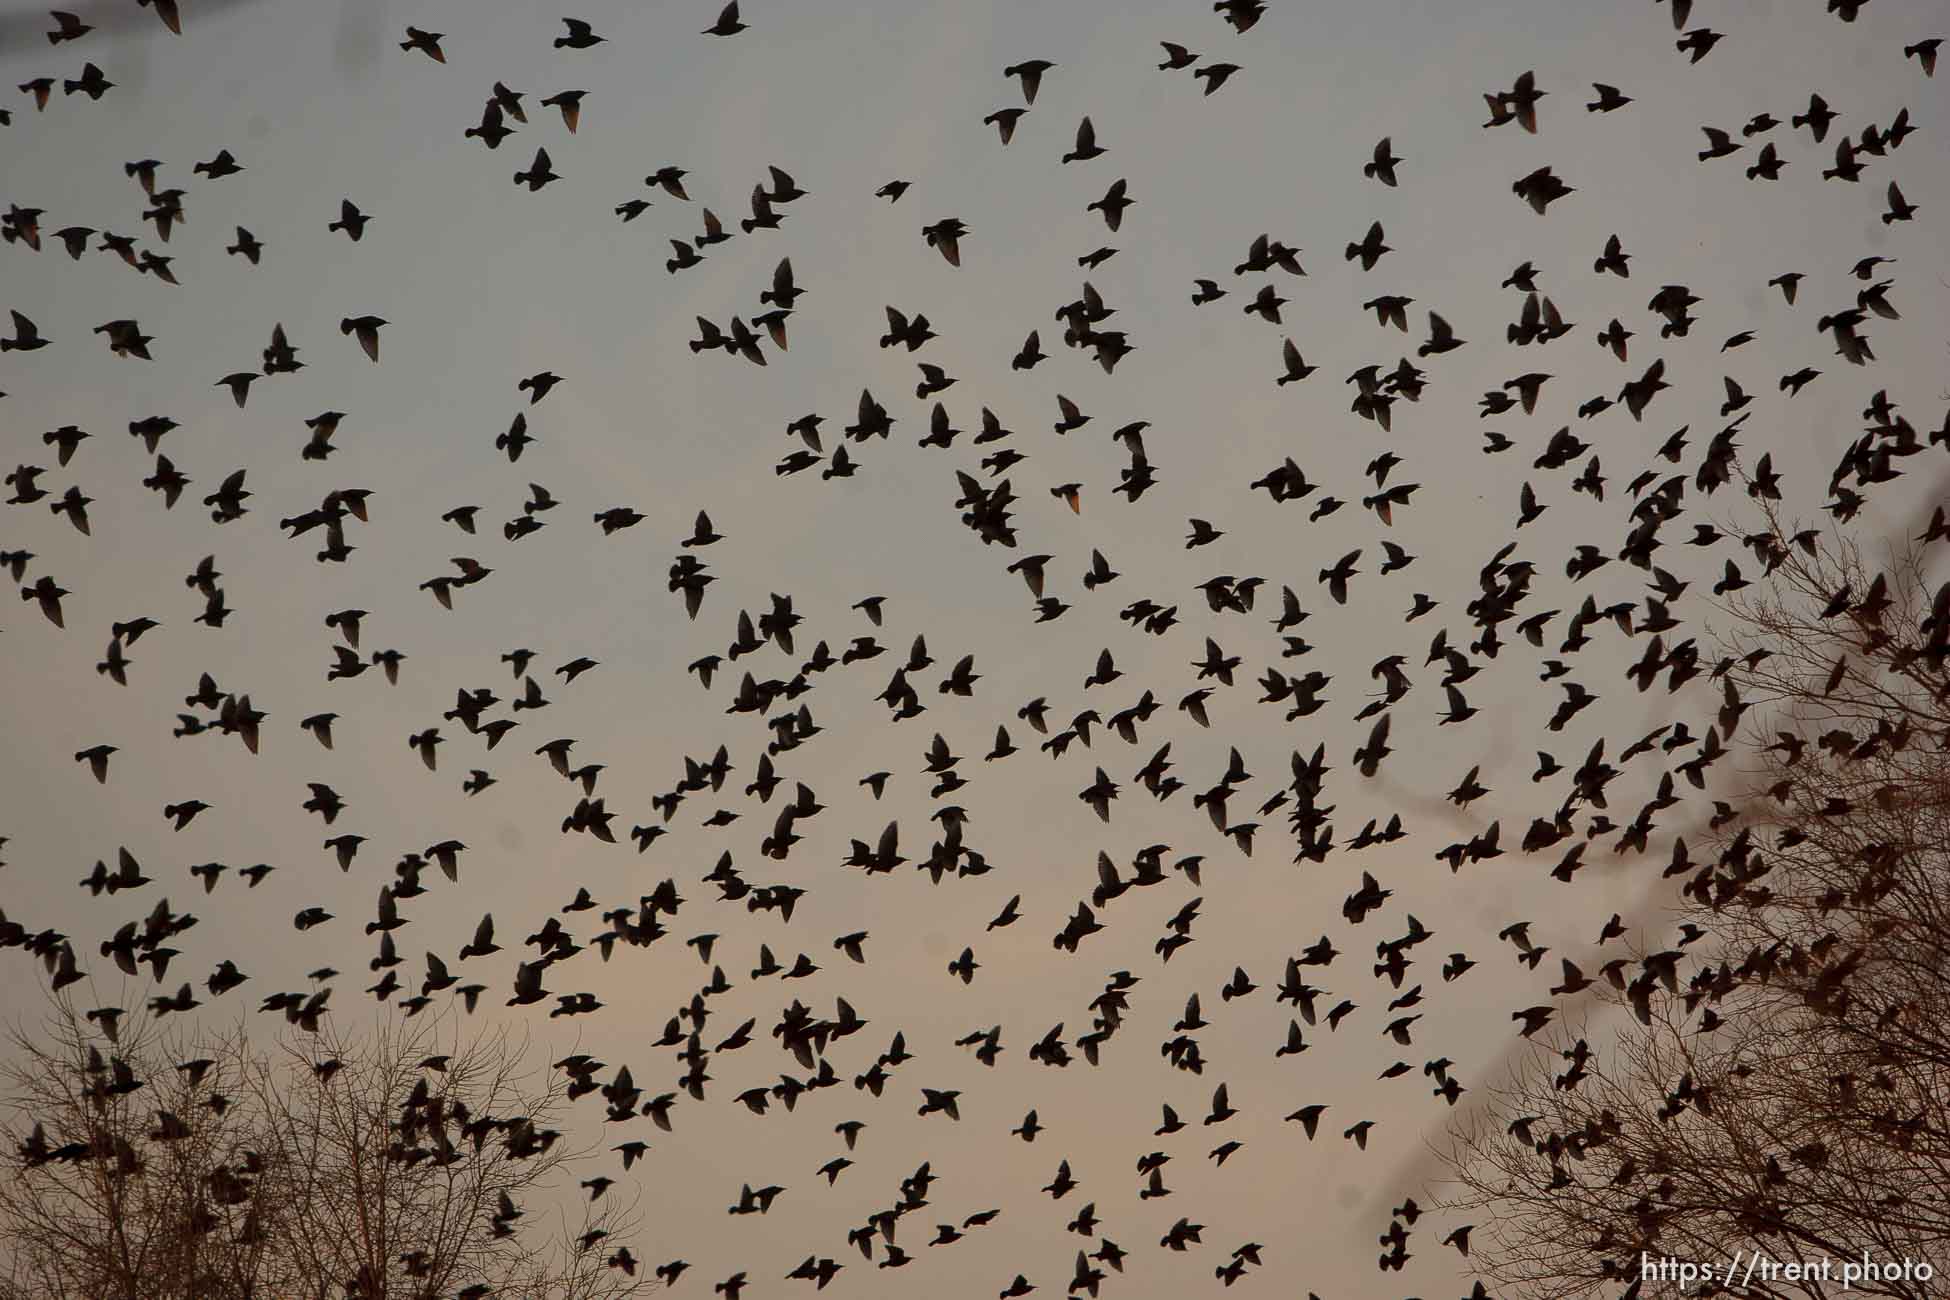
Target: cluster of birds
point(776, 687)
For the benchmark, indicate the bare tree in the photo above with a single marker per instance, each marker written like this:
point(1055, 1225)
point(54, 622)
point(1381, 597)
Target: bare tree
point(1774, 1088)
point(401, 1163)
point(123, 1164)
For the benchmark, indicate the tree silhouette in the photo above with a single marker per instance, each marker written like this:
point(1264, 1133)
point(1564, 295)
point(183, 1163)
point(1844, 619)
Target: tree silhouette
point(1774, 1086)
point(398, 1162)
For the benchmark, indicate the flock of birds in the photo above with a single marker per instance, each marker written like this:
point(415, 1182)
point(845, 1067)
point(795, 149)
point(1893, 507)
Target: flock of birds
point(774, 771)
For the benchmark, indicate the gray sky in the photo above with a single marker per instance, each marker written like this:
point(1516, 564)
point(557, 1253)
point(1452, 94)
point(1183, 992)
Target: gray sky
point(484, 283)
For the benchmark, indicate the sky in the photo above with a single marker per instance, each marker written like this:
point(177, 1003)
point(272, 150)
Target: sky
point(483, 283)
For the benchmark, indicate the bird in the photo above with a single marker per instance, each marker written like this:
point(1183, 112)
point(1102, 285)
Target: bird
point(1086, 144)
point(1296, 368)
point(1719, 144)
point(1176, 56)
point(945, 236)
point(1699, 42)
point(1900, 209)
point(1382, 166)
point(428, 43)
point(1030, 74)
point(1540, 189)
point(366, 328)
point(540, 172)
point(26, 337)
point(1370, 249)
point(92, 82)
point(67, 27)
point(1215, 75)
point(351, 221)
point(223, 164)
point(126, 339)
point(1609, 100)
point(1113, 204)
point(1004, 121)
point(578, 37)
point(1442, 338)
point(1614, 259)
point(1767, 165)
